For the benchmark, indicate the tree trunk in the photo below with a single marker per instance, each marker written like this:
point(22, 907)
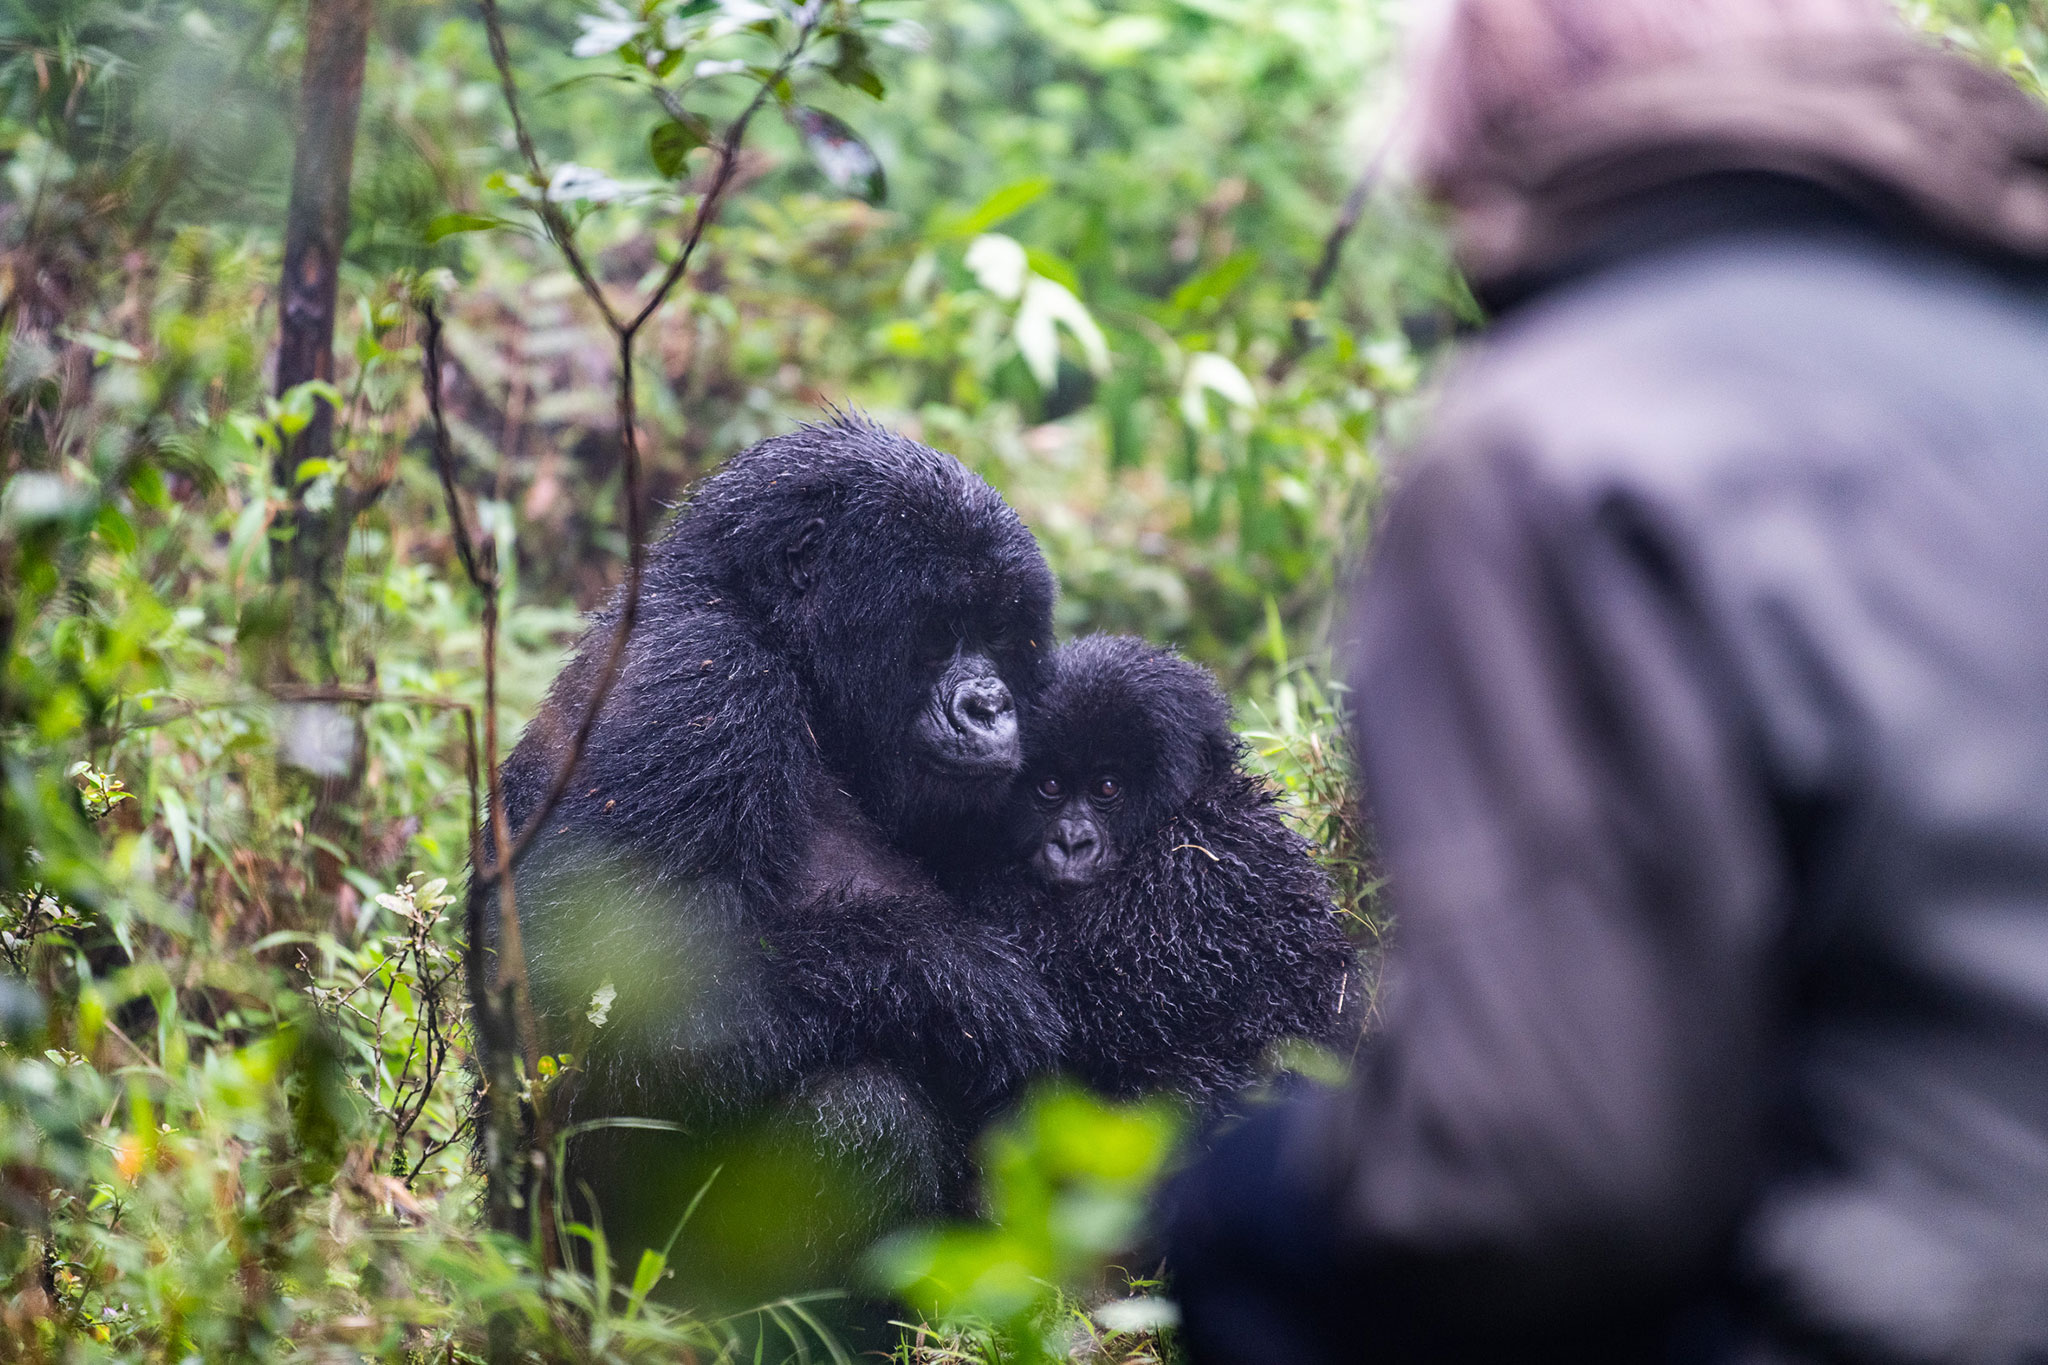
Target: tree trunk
point(316, 229)
point(330, 96)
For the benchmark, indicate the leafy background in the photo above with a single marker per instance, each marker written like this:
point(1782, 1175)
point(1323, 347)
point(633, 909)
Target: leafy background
point(1071, 242)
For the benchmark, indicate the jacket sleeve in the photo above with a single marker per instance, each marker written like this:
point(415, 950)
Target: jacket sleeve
point(1562, 1111)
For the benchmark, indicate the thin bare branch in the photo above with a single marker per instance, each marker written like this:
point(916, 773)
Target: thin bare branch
point(506, 988)
point(444, 454)
point(721, 180)
point(558, 228)
point(629, 438)
point(509, 991)
point(1303, 339)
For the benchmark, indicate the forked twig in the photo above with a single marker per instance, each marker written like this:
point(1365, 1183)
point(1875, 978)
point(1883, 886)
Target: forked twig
point(509, 984)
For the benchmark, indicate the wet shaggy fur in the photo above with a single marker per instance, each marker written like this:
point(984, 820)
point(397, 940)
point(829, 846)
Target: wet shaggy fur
point(1213, 936)
point(734, 866)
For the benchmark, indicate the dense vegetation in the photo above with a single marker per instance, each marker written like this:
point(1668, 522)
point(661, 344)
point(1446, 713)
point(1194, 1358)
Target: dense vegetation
point(260, 646)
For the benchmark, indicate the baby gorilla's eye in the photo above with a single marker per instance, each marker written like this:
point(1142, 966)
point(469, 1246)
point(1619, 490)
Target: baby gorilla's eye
point(1051, 789)
point(1108, 788)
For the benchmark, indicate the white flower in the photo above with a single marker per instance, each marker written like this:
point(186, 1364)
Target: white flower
point(607, 32)
point(999, 263)
point(1209, 372)
point(572, 181)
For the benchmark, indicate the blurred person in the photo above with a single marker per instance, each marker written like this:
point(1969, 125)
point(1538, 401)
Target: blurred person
point(1701, 682)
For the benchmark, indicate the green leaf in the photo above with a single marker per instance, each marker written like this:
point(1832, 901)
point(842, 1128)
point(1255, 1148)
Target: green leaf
point(652, 1263)
point(115, 529)
point(671, 143)
point(1010, 199)
point(1054, 268)
point(1214, 285)
point(296, 406)
point(450, 224)
point(147, 484)
point(852, 67)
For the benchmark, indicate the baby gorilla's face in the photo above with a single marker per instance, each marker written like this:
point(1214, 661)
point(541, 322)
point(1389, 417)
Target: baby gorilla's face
point(1122, 737)
point(1079, 816)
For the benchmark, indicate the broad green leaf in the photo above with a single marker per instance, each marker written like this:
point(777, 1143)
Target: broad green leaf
point(671, 143)
point(1010, 199)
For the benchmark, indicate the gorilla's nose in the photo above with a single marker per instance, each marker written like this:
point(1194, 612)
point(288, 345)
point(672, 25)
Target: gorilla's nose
point(1072, 854)
point(982, 707)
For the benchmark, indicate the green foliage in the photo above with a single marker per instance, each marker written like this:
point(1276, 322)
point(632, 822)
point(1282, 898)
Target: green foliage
point(1067, 1182)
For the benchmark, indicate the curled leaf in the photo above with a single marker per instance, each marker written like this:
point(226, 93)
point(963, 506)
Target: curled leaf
point(572, 182)
point(853, 67)
point(1208, 373)
point(1047, 307)
point(838, 151)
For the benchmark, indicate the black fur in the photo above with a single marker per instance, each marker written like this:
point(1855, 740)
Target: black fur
point(1202, 932)
point(735, 857)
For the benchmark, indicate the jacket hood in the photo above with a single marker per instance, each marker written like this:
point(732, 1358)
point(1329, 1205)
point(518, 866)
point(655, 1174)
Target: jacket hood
point(1912, 138)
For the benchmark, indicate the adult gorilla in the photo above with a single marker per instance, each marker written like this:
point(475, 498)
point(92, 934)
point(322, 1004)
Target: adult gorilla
point(724, 919)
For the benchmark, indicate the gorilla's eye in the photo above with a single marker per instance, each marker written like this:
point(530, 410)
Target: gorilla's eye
point(1051, 789)
point(1108, 788)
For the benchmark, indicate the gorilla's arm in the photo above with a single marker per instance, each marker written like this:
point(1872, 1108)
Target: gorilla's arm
point(700, 761)
point(689, 808)
point(754, 926)
point(870, 941)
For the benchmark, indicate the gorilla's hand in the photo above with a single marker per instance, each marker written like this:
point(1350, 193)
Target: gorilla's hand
point(992, 1024)
point(952, 1002)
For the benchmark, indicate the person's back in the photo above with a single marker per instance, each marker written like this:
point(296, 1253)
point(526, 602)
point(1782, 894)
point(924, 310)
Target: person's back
point(1819, 463)
point(1703, 706)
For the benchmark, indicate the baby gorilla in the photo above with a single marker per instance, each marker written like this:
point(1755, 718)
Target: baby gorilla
point(1181, 926)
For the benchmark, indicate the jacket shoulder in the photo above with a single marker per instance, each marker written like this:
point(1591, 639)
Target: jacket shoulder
point(1691, 371)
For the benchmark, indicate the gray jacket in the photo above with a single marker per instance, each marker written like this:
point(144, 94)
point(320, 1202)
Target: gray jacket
point(1702, 692)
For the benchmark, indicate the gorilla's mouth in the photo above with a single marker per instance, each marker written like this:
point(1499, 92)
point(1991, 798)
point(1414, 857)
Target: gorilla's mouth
point(1061, 875)
point(971, 754)
point(969, 729)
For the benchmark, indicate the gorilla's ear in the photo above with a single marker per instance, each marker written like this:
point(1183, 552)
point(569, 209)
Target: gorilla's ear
point(802, 551)
point(1220, 752)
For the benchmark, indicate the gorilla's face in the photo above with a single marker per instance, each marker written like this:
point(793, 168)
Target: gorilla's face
point(1083, 830)
point(1125, 734)
point(970, 667)
point(917, 609)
